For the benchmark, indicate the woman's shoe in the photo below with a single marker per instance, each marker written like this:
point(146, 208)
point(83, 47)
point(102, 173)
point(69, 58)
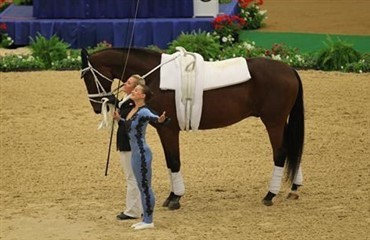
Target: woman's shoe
point(137, 224)
point(144, 225)
point(123, 216)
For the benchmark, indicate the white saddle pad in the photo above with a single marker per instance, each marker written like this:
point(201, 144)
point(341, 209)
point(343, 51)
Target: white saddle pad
point(206, 76)
point(216, 74)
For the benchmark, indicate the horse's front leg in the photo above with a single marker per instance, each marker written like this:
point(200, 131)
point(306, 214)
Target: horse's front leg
point(170, 143)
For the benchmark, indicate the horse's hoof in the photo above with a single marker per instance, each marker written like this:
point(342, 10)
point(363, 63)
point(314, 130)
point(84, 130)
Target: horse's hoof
point(293, 196)
point(174, 205)
point(166, 203)
point(267, 202)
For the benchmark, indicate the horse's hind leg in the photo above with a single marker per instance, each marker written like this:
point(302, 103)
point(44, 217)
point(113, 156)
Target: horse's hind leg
point(276, 135)
point(297, 182)
point(279, 148)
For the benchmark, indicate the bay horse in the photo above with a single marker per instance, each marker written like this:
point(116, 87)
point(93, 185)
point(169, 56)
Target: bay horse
point(274, 94)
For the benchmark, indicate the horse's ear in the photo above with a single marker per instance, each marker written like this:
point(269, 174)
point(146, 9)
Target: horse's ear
point(84, 58)
point(85, 51)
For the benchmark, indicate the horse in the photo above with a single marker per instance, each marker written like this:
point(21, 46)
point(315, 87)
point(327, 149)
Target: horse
point(274, 94)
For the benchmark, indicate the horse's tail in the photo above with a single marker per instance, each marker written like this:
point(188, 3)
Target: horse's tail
point(294, 135)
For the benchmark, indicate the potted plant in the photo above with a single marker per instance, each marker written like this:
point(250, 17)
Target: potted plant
point(227, 28)
point(251, 13)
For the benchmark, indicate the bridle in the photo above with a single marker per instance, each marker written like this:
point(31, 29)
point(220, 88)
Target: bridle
point(101, 91)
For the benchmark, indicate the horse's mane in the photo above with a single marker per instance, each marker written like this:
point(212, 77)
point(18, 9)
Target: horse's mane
point(144, 52)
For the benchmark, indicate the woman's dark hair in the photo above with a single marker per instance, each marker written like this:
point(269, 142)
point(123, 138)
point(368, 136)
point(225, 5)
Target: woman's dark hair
point(146, 90)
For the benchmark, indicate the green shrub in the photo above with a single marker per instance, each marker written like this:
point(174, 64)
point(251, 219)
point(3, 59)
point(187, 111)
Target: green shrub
point(11, 63)
point(287, 54)
point(5, 40)
point(23, 2)
point(245, 49)
point(67, 64)
point(363, 65)
point(3, 6)
point(201, 42)
point(99, 46)
point(48, 51)
point(336, 56)
point(156, 48)
point(308, 63)
point(71, 62)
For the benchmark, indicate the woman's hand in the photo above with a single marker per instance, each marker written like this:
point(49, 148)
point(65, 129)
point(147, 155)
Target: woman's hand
point(116, 116)
point(162, 117)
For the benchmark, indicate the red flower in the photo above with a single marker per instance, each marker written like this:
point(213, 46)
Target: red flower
point(3, 26)
point(228, 23)
point(245, 3)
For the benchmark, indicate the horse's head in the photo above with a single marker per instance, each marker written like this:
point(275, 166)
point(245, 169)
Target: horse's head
point(100, 68)
point(98, 79)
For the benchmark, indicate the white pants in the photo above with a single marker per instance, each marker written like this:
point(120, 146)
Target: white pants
point(133, 200)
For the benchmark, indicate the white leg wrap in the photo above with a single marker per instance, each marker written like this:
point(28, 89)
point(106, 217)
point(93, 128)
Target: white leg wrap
point(275, 183)
point(298, 179)
point(171, 181)
point(178, 186)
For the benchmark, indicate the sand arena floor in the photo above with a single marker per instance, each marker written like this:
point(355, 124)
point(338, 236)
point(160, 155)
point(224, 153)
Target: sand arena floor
point(53, 160)
point(52, 183)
